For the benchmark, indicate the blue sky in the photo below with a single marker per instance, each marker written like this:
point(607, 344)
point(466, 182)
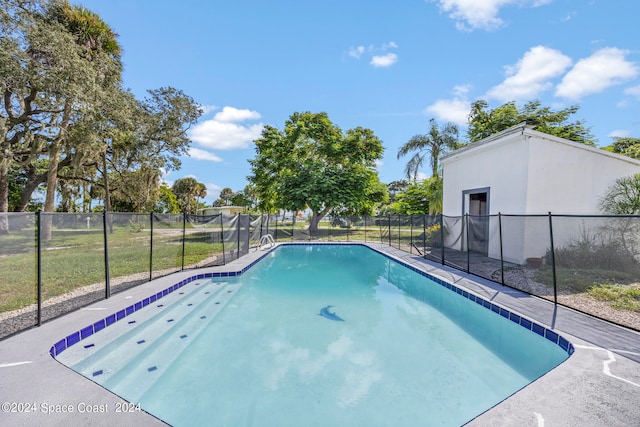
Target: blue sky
point(388, 66)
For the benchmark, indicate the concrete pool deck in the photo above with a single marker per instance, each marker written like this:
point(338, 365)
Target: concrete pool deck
point(599, 385)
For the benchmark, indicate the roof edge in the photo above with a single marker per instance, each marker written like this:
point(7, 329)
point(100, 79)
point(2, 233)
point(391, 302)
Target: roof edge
point(528, 130)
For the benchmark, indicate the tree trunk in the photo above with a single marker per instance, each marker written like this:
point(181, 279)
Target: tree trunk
point(52, 173)
point(50, 197)
point(316, 217)
point(107, 196)
point(27, 191)
point(4, 196)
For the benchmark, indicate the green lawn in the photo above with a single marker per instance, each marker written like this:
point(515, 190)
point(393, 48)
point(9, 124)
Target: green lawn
point(75, 258)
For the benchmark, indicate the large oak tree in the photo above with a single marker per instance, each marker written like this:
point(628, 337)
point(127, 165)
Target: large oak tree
point(313, 164)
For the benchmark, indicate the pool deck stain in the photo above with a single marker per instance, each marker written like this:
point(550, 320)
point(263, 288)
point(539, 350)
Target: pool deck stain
point(599, 385)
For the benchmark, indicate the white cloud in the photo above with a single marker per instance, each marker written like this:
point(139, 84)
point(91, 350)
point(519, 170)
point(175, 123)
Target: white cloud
point(226, 130)
point(461, 91)
point(356, 52)
point(206, 109)
point(619, 133)
point(480, 14)
point(450, 110)
point(213, 191)
point(454, 110)
point(386, 60)
point(531, 75)
point(230, 114)
point(199, 154)
point(633, 91)
point(380, 55)
point(605, 68)
point(422, 176)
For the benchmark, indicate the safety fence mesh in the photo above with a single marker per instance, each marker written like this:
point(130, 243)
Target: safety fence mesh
point(53, 263)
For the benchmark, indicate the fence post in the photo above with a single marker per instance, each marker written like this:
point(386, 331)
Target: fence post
point(107, 275)
point(411, 233)
point(364, 219)
point(224, 252)
point(184, 235)
point(275, 233)
point(466, 216)
point(424, 236)
point(39, 221)
point(442, 237)
point(151, 247)
point(501, 253)
point(553, 261)
point(389, 227)
point(238, 237)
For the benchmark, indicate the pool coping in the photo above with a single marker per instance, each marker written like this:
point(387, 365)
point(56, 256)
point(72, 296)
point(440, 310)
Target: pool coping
point(598, 382)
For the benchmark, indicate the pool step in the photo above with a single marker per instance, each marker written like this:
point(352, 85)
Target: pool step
point(106, 354)
point(133, 380)
point(111, 338)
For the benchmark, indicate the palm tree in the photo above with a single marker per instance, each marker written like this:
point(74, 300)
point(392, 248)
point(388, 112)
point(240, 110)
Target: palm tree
point(226, 194)
point(189, 190)
point(432, 145)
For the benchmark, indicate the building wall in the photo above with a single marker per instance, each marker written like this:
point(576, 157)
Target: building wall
point(502, 166)
point(530, 173)
point(225, 210)
point(567, 177)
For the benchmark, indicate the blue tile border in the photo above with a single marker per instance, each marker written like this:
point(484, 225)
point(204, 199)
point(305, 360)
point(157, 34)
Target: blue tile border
point(87, 331)
point(550, 335)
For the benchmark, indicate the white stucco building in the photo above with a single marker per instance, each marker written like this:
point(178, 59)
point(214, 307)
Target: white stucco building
point(520, 171)
point(225, 210)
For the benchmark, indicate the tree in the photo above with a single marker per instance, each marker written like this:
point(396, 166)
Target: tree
point(484, 122)
point(629, 147)
point(623, 197)
point(57, 63)
point(396, 187)
point(313, 164)
point(239, 199)
point(149, 137)
point(65, 120)
point(136, 190)
point(188, 190)
point(433, 144)
point(225, 195)
point(167, 201)
point(98, 52)
point(420, 198)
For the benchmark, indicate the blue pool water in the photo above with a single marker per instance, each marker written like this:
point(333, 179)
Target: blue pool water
point(317, 335)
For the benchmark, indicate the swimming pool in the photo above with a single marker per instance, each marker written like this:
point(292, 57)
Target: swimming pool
point(314, 334)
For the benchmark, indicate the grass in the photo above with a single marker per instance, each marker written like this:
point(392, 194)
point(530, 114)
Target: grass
point(618, 296)
point(579, 280)
point(618, 289)
point(75, 258)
